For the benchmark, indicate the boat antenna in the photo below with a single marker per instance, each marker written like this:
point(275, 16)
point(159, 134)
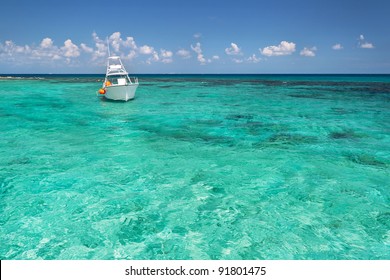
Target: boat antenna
point(108, 46)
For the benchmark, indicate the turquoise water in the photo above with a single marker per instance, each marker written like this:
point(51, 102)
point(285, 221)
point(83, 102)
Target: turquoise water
point(196, 167)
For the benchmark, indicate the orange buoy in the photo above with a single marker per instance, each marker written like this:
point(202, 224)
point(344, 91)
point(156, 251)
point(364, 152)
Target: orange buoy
point(108, 83)
point(102, 91)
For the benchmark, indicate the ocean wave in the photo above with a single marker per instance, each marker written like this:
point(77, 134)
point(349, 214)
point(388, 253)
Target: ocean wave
point(20, 78)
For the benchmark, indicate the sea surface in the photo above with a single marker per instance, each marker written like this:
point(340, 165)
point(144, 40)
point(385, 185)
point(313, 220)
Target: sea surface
point(196, 167)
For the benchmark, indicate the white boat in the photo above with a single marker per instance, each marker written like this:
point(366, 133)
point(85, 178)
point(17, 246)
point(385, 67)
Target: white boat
point(117, 84)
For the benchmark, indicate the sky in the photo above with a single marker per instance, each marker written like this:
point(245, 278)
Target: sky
point(198, 36)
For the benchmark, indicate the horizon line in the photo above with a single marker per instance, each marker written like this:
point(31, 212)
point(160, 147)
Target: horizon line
point(132, 74)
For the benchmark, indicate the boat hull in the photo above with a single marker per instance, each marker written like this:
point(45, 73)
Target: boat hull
point(121, 92)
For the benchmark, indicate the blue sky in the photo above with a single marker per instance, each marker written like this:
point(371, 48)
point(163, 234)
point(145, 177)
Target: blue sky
point(247, 36)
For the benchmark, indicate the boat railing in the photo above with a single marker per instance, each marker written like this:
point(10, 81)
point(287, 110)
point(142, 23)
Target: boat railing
point(133, 80)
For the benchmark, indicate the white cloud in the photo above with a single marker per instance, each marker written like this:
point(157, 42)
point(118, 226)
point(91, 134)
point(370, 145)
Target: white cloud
point(153, 58)
point(95, 52)
point(44, 53)
point(115, 40)
point(118, 43)
point(10, 47)
point(56, 57)
point(253, 59)
point(148, 50)
point(233, 50)
point(46, 43)
point(145, 49)
point(128, 49)
point(284, 48)
point(337, 47)
point(198, 50)
point(101, 48)
point(364, 44)
point(130, 43)
point(132, 54)
point(70, 49)
point(166, 55)
point(86, 49)
point(308, 52)
point(22, 49)
point(197, 35)
point(183, 53)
